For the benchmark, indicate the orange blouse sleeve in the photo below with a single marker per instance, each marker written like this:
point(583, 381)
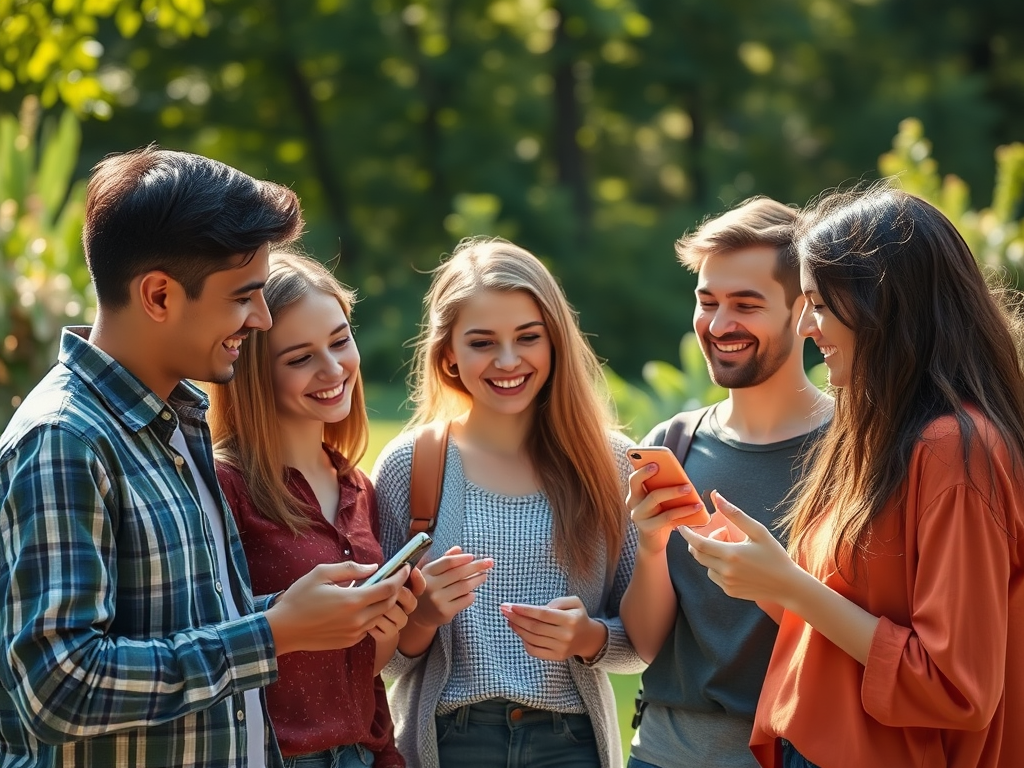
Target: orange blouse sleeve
point(946, 669)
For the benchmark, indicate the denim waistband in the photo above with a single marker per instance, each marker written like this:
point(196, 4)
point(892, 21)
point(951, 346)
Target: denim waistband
point(511, 713)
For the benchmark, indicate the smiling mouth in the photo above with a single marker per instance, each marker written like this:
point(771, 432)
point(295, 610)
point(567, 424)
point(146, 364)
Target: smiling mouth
point(732, 346)
point(328, 394)
point(828, 351)
point(508, 383)
point(234, 342)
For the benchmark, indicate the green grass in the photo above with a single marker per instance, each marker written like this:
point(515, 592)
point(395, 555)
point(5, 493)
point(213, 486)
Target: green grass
point(381, 432)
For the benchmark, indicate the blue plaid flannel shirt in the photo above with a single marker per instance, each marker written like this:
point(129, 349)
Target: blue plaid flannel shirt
point(116, 645)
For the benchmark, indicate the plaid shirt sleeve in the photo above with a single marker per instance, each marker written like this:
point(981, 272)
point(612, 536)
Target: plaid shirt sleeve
point(70, 670)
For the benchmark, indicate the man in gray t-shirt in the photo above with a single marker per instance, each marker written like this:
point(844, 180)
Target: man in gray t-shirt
point(708, 653)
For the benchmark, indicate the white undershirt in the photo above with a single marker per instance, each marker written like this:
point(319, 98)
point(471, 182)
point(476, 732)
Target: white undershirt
point(255, 727)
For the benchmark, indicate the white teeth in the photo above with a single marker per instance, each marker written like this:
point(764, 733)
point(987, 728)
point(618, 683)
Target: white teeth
point(733, 347)
point(828, 351)
point(508, 383)
point(327, 394)
point(233, 343)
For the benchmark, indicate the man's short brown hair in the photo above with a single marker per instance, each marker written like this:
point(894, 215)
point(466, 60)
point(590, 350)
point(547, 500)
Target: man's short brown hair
point(757, 221)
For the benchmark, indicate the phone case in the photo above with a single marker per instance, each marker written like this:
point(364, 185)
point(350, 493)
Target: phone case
point(409, 553)
point(670, 473)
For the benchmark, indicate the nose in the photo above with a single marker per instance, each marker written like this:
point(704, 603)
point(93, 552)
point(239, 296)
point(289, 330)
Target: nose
point(721, 322)
point(259, 315)
point(806, 325)
point(330, 367)
point(507, 359)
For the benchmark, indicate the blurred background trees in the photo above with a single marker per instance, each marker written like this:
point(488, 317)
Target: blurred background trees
point(593, 132)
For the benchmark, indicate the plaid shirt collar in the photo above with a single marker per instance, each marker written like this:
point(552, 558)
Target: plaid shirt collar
point(130, 401)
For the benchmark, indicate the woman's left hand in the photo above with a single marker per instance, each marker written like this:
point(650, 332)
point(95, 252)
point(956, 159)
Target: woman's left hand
point(756, 568)
point(556, 631)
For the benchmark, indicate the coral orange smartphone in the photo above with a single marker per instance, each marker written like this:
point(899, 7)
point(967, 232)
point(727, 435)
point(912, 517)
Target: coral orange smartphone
point(670, 472)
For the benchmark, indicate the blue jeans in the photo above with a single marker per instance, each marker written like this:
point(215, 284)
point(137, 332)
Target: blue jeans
point(352, 756)
point(635, 763)
point(793, 759)
point(498, 733)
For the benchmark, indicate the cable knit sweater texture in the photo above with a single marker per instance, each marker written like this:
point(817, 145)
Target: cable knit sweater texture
point(420, 681)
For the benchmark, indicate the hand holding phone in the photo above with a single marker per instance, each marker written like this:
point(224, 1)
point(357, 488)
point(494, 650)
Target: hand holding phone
point(410, 553)
point(670, 473)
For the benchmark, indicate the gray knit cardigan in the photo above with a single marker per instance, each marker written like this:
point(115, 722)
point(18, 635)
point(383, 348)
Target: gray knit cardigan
point(419, 682)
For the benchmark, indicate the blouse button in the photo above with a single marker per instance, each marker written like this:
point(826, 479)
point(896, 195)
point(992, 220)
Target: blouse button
point(165, 415)
point(218, 587)
point(348, 552)
point(179, 462)
point(240, 715)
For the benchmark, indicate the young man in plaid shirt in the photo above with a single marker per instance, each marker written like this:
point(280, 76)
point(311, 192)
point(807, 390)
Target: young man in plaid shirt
point(129, 635)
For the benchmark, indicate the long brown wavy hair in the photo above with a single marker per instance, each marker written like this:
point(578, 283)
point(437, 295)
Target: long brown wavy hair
point(243, 412)
point(568, 442)
point(930, 338)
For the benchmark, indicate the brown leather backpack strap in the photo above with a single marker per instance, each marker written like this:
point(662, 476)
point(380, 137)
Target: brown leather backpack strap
point(429, 450)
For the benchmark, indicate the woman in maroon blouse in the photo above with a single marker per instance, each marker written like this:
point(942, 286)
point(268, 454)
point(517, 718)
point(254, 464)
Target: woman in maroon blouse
point(289, 430)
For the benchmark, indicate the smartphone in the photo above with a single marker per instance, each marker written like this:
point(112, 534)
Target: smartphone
point(409, 553)
point(670, 472)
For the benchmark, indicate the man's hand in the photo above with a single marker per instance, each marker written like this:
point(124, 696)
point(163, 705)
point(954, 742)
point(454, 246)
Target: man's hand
point(321, 612)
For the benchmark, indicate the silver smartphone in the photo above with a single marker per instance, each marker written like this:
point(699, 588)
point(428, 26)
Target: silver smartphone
point(409, 553)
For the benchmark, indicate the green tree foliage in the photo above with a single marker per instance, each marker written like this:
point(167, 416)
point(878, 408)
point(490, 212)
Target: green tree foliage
point(44, 283)
point(594, 132)
point(995, 233)
point(49, 47)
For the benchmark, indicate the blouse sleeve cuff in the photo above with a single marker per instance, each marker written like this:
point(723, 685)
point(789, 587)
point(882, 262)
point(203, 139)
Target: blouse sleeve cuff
point(884, 655)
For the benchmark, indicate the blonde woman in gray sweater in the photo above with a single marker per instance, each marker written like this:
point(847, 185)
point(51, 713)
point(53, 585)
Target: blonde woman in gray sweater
point(505, 661)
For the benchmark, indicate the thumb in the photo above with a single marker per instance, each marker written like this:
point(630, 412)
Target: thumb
point(345, 572)
point(740, 525)
point(565, 603)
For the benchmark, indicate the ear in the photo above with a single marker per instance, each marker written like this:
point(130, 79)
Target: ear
point(159, 294)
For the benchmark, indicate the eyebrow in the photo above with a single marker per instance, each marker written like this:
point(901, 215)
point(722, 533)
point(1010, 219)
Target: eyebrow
point(746, 294)
point(255, 285)
point(484, 332)
point(294, 347)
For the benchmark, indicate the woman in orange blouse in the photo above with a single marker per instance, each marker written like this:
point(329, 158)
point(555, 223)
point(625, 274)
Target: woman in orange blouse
point(901, 602)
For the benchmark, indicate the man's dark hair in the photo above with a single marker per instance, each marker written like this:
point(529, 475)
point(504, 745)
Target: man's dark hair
point(183, 214)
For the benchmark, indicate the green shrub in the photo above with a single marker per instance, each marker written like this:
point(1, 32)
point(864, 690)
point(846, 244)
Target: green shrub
point(44, 283)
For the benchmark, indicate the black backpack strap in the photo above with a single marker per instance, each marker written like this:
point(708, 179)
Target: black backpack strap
point(681, 429)
point(678, 436)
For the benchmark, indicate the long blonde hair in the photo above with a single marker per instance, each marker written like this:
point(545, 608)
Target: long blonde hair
point(243, 412)
point(568, 441)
